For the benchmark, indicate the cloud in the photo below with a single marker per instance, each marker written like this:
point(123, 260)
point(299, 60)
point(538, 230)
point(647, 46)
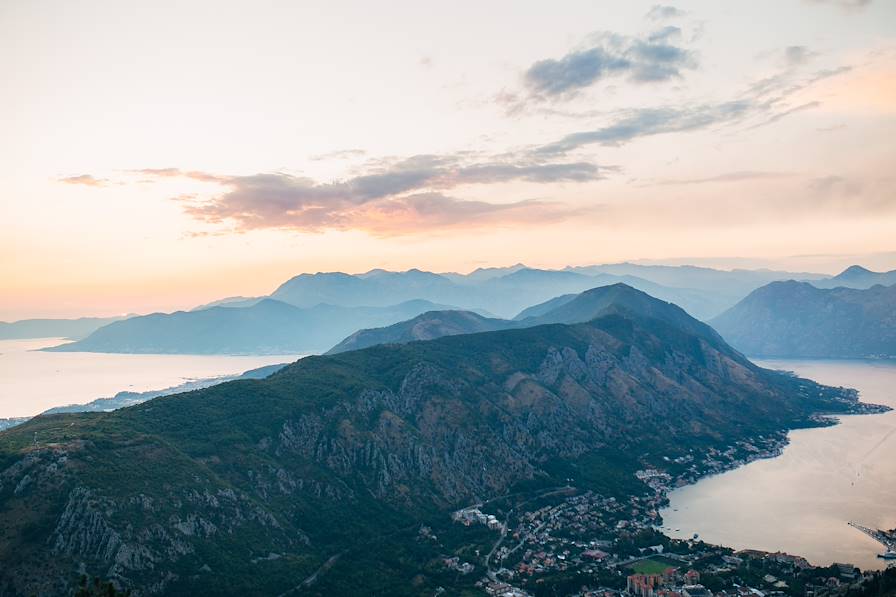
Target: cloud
point(739, 176)
point(429, 211)
point(853, 196)
point(798, 55)
point(85, 179)
point(176, 173)
point(835, 186)
point(393, 197)
point(663, 12)
point(768, 100)
point(645, 122)
point(655, 58)
point(341, 154)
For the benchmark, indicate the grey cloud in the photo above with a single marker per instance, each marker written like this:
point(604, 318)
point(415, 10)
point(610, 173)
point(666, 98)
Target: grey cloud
point(650, 121)
point(767, 100)
point(797, 55)
point(573, 72)
point(389, 196)
point(655, 58)
point(662, 12)
point(785, 113)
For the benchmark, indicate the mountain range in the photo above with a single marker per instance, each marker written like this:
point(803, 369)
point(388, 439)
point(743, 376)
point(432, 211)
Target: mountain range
point(797, 319)
point(330, 469)
point(312, 311)
point(856, 276)
point(567, 309)
point(503, 293)
point(74, 329)
point(266, 327)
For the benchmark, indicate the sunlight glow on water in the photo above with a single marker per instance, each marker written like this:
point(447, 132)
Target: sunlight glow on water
point(801, 501)
point(33, 381)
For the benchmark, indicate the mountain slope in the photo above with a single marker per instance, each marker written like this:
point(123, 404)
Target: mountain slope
point(53, 328)
point(250, 486)
point(567, 309)
point(267, 327)
point(617, 298)
point(427, 326)
point(796, 319)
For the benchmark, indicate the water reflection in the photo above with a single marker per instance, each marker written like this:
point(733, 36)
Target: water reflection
point(801, 501)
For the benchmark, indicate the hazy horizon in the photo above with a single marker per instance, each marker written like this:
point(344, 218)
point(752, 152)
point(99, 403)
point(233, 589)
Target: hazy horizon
point(168, 155)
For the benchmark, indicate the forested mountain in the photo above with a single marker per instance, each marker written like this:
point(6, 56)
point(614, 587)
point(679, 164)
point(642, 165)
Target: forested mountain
point(797, 319)
point(333, 463)
point(571, 308)
point(427, 326)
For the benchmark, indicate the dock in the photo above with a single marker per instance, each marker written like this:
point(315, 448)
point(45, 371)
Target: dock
point(882, 537)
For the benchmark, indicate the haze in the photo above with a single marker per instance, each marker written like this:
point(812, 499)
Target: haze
point(160, 155)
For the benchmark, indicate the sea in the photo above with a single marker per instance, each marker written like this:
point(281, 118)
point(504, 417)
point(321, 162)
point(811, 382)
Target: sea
point(802, 501)
point(32, 381)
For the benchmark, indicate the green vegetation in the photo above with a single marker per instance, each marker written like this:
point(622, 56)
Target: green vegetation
point(332, 464)
point(796, 319)
point(654, 565)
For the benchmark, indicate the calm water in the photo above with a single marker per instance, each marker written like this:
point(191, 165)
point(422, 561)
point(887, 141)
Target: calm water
point(31, 381)
point(801, 501)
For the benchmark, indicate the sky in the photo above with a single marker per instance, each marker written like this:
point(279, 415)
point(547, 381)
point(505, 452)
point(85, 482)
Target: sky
point(159, 155)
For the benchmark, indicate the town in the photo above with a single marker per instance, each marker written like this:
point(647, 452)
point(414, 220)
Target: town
point(565, 541)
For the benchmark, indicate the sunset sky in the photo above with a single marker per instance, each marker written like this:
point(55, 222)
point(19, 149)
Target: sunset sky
point(159, 155)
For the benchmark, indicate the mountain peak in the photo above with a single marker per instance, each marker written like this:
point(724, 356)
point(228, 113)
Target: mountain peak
point(619, 299)
point(854, 270)
point(798, 319)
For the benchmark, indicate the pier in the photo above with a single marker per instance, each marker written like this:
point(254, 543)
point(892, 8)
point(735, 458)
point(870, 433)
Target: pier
point(885, 539)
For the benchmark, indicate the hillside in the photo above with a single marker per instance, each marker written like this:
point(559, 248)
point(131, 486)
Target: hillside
point(567, 309)
point(545, 307)
point(250, 486)
point(797, 319)
point(617, 298)
point(427, 326)
point(266, 327)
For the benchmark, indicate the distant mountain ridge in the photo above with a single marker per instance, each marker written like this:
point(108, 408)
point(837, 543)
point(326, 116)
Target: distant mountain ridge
point(493, 292)
point(266, 327)
point(502, 291)
point(797, 319)
point(856, 276)
point(74, 329)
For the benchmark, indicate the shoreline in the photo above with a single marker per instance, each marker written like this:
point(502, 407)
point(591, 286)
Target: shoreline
point(773, 449)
